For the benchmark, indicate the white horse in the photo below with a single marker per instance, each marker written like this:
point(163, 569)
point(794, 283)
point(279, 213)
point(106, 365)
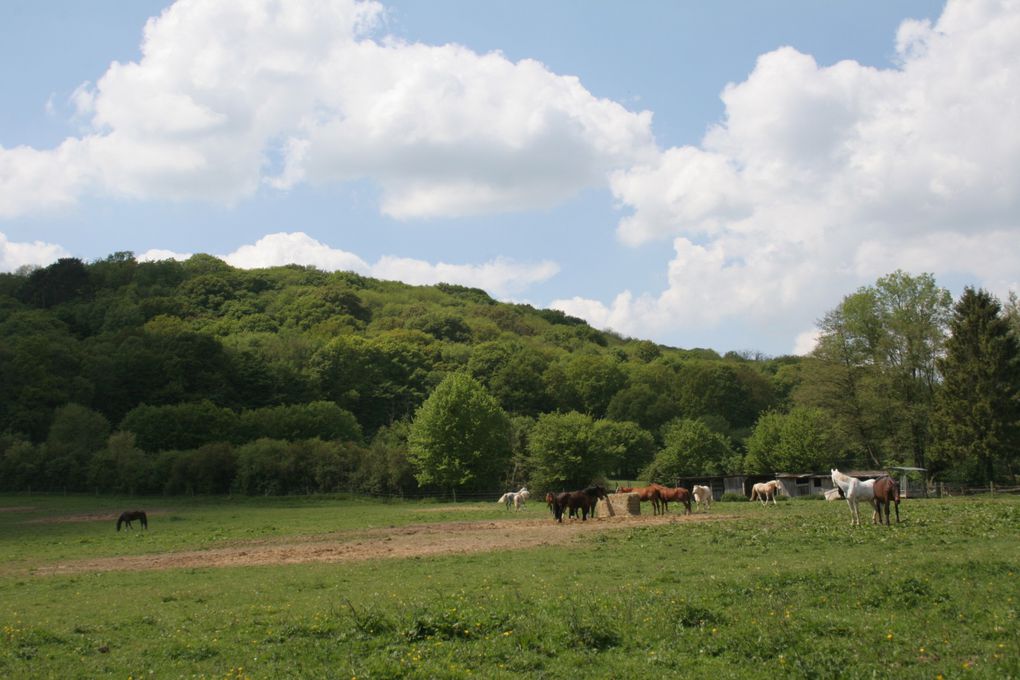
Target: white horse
point(855, 491)
point(766, 491)
point(703, 495)
point(515, 498)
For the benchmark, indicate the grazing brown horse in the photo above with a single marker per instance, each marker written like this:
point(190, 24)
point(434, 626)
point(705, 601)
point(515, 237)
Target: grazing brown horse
point(128, 517)
point(887, 491)
point(645, 493)
point(573, 501)
point(678, 494)
point(549, 500)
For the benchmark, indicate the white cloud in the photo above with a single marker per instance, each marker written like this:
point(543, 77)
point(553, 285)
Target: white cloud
point(501, 277)
point(806, 342)
point(822, 178)
point(158, 254)
point(229, 97)
point(15, 254)
point(294, 248)
point(41, 181)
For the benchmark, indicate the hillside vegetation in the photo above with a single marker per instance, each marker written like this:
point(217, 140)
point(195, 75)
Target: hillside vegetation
point(196, 377)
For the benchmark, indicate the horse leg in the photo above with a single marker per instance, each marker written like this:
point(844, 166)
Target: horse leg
point(897, 511)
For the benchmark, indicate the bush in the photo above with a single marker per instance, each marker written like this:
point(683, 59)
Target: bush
point(730, 497)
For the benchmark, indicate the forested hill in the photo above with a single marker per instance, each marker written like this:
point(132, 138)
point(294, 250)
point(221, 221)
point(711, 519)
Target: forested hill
point(182, 355)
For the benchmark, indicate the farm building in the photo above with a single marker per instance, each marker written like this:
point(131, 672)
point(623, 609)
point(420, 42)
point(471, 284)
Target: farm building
point(804, 484)
point(794, 483)
point(720, 484)
point(913, 481)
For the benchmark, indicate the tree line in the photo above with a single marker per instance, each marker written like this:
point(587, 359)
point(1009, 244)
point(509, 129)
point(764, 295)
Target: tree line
point(196, 377)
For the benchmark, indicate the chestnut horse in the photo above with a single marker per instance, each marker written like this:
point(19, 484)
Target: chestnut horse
point(887, 491)
point(573, 501)
point(678, 494)
point(645, 493)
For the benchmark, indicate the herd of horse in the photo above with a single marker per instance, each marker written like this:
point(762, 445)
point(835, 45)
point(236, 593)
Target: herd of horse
point(882, 493)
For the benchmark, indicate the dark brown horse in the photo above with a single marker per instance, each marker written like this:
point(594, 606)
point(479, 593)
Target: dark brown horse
point(130, 516)
point(887, 491)
point(572, 501)
point(678, 494)
point(645, 493)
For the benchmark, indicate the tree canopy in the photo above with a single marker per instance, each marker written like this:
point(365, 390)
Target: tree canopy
point(193, 363)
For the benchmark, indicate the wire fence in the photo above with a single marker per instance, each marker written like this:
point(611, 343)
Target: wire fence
point(949, 490)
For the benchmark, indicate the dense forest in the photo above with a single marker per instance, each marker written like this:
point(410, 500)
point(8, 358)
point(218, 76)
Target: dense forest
point(196, 377)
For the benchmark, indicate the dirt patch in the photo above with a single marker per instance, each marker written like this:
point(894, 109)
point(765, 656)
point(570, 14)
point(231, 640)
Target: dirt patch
point(465, 508)
point(90, 517)
point(19, 508)
point(422, 540)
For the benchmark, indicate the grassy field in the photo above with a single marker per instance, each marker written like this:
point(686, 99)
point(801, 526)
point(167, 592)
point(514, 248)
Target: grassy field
point(791, 590)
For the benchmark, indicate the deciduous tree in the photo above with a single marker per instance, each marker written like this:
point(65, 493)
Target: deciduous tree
point(460, 437)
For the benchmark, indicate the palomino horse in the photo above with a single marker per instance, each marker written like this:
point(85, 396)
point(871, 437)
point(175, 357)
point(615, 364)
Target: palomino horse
point(130, 516)
point(678, 494)
point(515, 498)
point(573, 501)
point(886, 491)
point(766, 491)
point(703, 496)
point(645, 493)
point(855, 491)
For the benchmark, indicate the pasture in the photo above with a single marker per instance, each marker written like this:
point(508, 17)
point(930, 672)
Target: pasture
point(350, 588)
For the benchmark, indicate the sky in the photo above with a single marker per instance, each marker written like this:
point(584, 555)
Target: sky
point(699, 174)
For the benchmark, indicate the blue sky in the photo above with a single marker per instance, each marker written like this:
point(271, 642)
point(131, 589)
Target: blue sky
point(700, 174)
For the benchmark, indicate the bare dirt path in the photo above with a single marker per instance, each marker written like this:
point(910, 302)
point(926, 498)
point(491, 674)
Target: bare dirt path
point(419, 540)
point(90, 517)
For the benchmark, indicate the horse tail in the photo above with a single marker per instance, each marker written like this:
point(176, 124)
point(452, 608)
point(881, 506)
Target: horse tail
point(502, 499)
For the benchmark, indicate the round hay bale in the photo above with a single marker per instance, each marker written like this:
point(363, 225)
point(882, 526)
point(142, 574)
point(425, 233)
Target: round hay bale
point(619, 504)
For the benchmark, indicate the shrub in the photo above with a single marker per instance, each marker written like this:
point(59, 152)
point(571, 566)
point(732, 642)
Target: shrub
point(730, 497)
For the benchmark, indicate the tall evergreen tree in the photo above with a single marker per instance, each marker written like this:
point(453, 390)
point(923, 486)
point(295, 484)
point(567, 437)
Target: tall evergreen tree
point(977, 421)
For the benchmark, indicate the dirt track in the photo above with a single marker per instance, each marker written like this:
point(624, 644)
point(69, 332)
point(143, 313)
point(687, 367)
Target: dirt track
point(398, 542)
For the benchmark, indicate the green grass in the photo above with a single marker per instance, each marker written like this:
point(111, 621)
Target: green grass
point(791, 591)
